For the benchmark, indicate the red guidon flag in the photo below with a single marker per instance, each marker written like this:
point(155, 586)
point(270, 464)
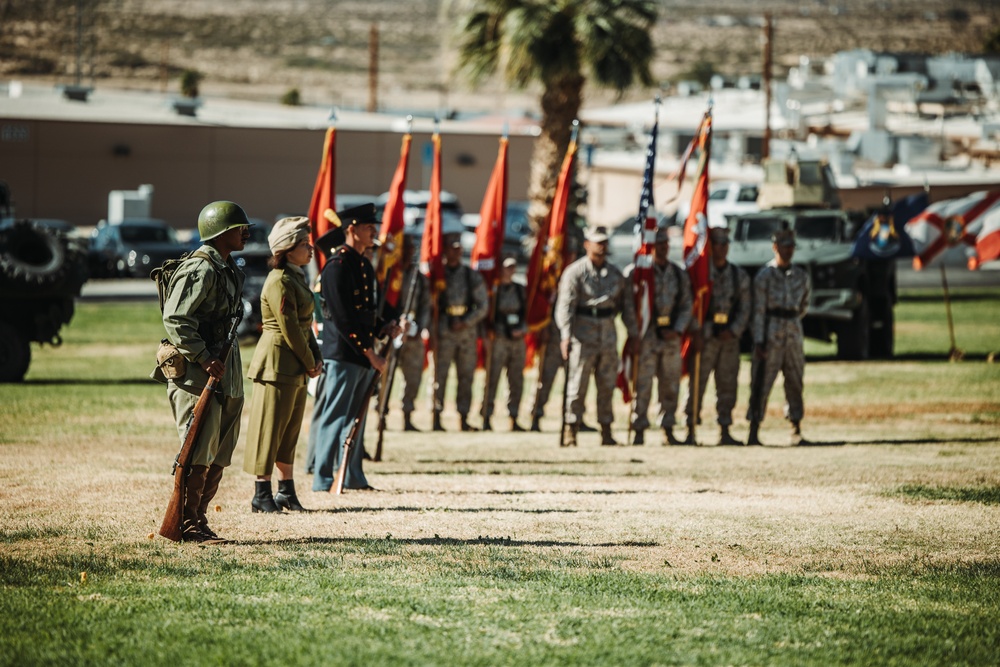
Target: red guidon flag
point(492, 217)
point(697, 251)
point(549, 257)
point(323, 202)
point(948, 223)
point(390, 268)
point(431, 243)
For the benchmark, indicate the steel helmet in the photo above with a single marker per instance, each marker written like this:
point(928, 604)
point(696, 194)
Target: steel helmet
point(219, 217)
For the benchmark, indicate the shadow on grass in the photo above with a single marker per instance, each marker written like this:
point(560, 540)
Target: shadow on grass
point(447, 510)
point(897, 441)
point(437, 540)
point(519, 461)
point(95, 382)
point(908, 356)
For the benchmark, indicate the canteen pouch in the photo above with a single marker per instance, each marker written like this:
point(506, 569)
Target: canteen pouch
point(171, 362)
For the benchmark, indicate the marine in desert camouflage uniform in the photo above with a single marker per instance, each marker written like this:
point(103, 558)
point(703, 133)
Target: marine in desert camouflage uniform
point(508, 348)
point(660, 350)
point(591, 293)
point(780, 299)
point(719, 337)
point(410, 359)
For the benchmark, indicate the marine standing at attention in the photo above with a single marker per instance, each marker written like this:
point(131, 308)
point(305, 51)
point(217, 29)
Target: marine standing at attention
point(780, 300)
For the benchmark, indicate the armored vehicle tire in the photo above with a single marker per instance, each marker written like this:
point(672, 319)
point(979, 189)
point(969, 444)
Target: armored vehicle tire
point(31, 255)
point(853, 335)
point(15, 354)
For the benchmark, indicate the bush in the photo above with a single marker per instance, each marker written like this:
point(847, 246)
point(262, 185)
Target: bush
point(292, 98)
point(190, 79)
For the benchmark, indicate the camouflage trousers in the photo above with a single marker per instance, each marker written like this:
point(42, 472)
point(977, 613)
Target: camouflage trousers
point(601, 361)
point(661, 360)
point(458, 348)
point(722, 358)
point(548, 366)
point(410, 361)
point(785, 354)
point(507, 357)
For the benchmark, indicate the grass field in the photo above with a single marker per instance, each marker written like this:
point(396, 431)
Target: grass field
point(876, 545)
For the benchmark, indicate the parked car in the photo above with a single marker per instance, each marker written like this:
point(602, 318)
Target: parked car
point(725, 198)
point(132, 247)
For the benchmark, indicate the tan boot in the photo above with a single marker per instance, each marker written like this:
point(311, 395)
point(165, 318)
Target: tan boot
point(569, 436)
point(753, 438)
point(606, 437)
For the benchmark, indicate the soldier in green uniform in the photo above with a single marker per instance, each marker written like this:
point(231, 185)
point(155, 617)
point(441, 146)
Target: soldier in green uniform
point(462, 305)
point(287, 353)
point(780, 300)
point(203, 296)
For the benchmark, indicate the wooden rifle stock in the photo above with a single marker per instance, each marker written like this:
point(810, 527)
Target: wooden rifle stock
point(352, 435)
point(171, 528)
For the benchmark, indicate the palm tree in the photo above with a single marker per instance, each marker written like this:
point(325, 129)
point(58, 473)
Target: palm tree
point(560, 44)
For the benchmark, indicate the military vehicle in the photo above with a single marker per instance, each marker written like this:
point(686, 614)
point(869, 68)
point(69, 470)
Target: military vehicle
point(41, 272)
point(852, 299)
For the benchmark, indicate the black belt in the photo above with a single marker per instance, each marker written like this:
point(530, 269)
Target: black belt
point(783, 313)
point(600, 313)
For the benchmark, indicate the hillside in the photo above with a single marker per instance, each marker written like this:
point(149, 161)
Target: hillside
point(261, 49)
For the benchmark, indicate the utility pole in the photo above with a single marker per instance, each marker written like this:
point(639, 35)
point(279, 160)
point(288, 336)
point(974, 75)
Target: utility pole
point(373, 69)
point(765, 149)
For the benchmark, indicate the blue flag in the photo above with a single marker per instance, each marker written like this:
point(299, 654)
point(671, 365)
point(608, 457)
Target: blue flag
point(883, 236)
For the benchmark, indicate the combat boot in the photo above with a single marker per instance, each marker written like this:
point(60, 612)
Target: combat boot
point(584, 428)
point(606, 437)
point(487, 424)
point(194, 488)
point(263, 500)
point(569, 436)
point(668, 436)
point(408, 425)
point(639, 438)
point(726, 438)
point(536, 424)
point(437, 422)
point(212, 479)
point(796, 436)
point(466, 426)
point(753, 437)
point(690, 438)
point(514, 426)
point(286, 498)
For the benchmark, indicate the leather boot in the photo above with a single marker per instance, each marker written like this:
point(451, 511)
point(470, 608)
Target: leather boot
point(639, 438)
point(753, 437)
point(194, 488)
point(584, 428)
point(437, 422)
point(212, 479)
point(408, 425)
point(726, 438)
point(796, 437)
point(690, 438)
point(668, 436)
point(466, 426)
point(606, 437)
point(263, 501)
point(286, 498)
point(487, 424)
point(536, 424)
point(569, 436)
point(514, 426)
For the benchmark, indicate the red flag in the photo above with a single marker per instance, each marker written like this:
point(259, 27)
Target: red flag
point(549, 257)
point(390, 268)
point(431, 244)
point(947, 223)
point(697, 250)
point(324, 193)
point(492, 217)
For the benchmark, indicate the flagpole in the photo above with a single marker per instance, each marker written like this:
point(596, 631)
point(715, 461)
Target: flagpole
point(954, 354)
point(694, 382)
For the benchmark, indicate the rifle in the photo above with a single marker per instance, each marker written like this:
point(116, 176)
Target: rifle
point(174, 516)
point(352, 435)
point(392, 361)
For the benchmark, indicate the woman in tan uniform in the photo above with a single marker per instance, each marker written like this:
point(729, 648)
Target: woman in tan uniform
point(286, 355)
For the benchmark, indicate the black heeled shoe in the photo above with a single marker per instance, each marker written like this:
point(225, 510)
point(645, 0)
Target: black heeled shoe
point(263, 501)
point(286, 498)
